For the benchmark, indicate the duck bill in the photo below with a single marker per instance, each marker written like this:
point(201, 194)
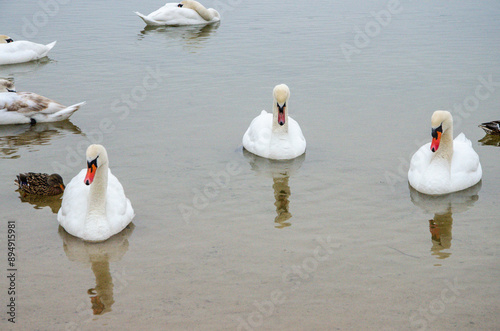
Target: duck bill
point(89, 178)
point(435, 142)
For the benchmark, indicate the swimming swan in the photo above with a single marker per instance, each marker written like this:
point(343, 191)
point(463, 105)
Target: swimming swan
point(275, 136)
point(21, 51)
point(445, 165)
point(27, 107)
point(94, 205)
point(187, 12)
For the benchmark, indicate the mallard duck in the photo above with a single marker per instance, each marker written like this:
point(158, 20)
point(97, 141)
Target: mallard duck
point(40, 184)
point(28, 107)
point(445, 165)
point(491, 127)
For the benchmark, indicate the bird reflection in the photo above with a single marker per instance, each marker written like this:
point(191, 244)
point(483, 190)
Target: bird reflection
point(490, 140)
point(443, 207)
point(41, 201)
point(280, 171)
point(192, 36)
point(98, 255)
point(22, 69)
point(15, 137)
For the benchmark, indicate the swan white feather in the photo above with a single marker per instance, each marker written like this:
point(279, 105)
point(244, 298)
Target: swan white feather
point(275, 136)
point(28, 107)
point(187, 12)
point(446, 165)
point(21, 51)
point(98, 210)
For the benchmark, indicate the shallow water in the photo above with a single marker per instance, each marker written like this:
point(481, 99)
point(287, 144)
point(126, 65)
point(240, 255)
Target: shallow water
point(225, 240)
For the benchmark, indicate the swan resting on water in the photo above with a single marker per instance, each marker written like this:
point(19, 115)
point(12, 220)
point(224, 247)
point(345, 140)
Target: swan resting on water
point(444, 165)
point(187, 12)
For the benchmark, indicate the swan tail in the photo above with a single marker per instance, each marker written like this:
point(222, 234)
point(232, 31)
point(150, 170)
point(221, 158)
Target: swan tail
point(147, 20)
point(51, 45)
point(66, 112)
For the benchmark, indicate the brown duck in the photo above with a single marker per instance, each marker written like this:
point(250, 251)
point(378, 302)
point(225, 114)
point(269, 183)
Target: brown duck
point(40, 184)
point(491, 127)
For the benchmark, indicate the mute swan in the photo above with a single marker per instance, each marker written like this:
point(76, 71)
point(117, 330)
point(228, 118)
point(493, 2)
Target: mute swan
point(187, 12)
point(445, 165)
point(94, 205)
point(40, 184)
point(27, 107)
point(275, 136)
point(21, 51)
point(491, 127)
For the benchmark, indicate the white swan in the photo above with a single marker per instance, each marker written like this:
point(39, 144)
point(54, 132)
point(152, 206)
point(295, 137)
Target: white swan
point(27, 107)
point(275, 136)
point(445, 165)
point(94, 205)
point(21, 51)
point(187, 12)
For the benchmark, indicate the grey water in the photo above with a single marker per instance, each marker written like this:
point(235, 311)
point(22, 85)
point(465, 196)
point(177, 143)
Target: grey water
point(225, 240)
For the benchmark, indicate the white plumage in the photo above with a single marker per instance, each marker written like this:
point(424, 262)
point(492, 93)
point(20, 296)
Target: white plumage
point(187, 12)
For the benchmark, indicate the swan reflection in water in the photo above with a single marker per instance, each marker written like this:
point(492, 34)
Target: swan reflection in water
point(14, 137)
point(280, 171)
point(192, 36)
point(443, 207)
point(98, 256)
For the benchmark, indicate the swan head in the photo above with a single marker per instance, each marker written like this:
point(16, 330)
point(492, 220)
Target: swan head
point(96, 157)
point(281, 93)
point(441, 121)
point(5, 39)
point(7, 86)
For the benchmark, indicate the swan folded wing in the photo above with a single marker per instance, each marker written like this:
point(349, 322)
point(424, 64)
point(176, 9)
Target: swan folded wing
point(31, 103)
point(465, 165)
point(119, 210)
point(419, 163)
point(23, 51)
point(73, 210)
point(258, 135)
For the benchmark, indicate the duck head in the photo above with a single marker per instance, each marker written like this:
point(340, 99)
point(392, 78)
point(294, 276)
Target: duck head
point(56, 181)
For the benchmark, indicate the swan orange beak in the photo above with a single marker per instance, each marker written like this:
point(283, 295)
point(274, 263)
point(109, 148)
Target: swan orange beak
point(436, 138)
point(281, 114)
point(89, 178)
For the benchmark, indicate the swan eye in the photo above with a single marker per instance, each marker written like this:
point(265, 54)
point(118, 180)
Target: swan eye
point(180, 5)
point(92, 163)
point(434, 132)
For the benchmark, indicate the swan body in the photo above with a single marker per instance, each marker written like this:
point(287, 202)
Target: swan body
point(491, 127)
point(94, 205)
point(187, 12)
point(21, 51)
point(444, 165)
point(275, 136)
point(27, 107)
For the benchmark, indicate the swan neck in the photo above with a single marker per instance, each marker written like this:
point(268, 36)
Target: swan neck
point(98, 190)
point(445, 149)
point(206, 14)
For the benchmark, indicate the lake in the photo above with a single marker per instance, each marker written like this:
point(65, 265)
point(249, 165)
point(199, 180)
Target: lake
point(224, 240)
